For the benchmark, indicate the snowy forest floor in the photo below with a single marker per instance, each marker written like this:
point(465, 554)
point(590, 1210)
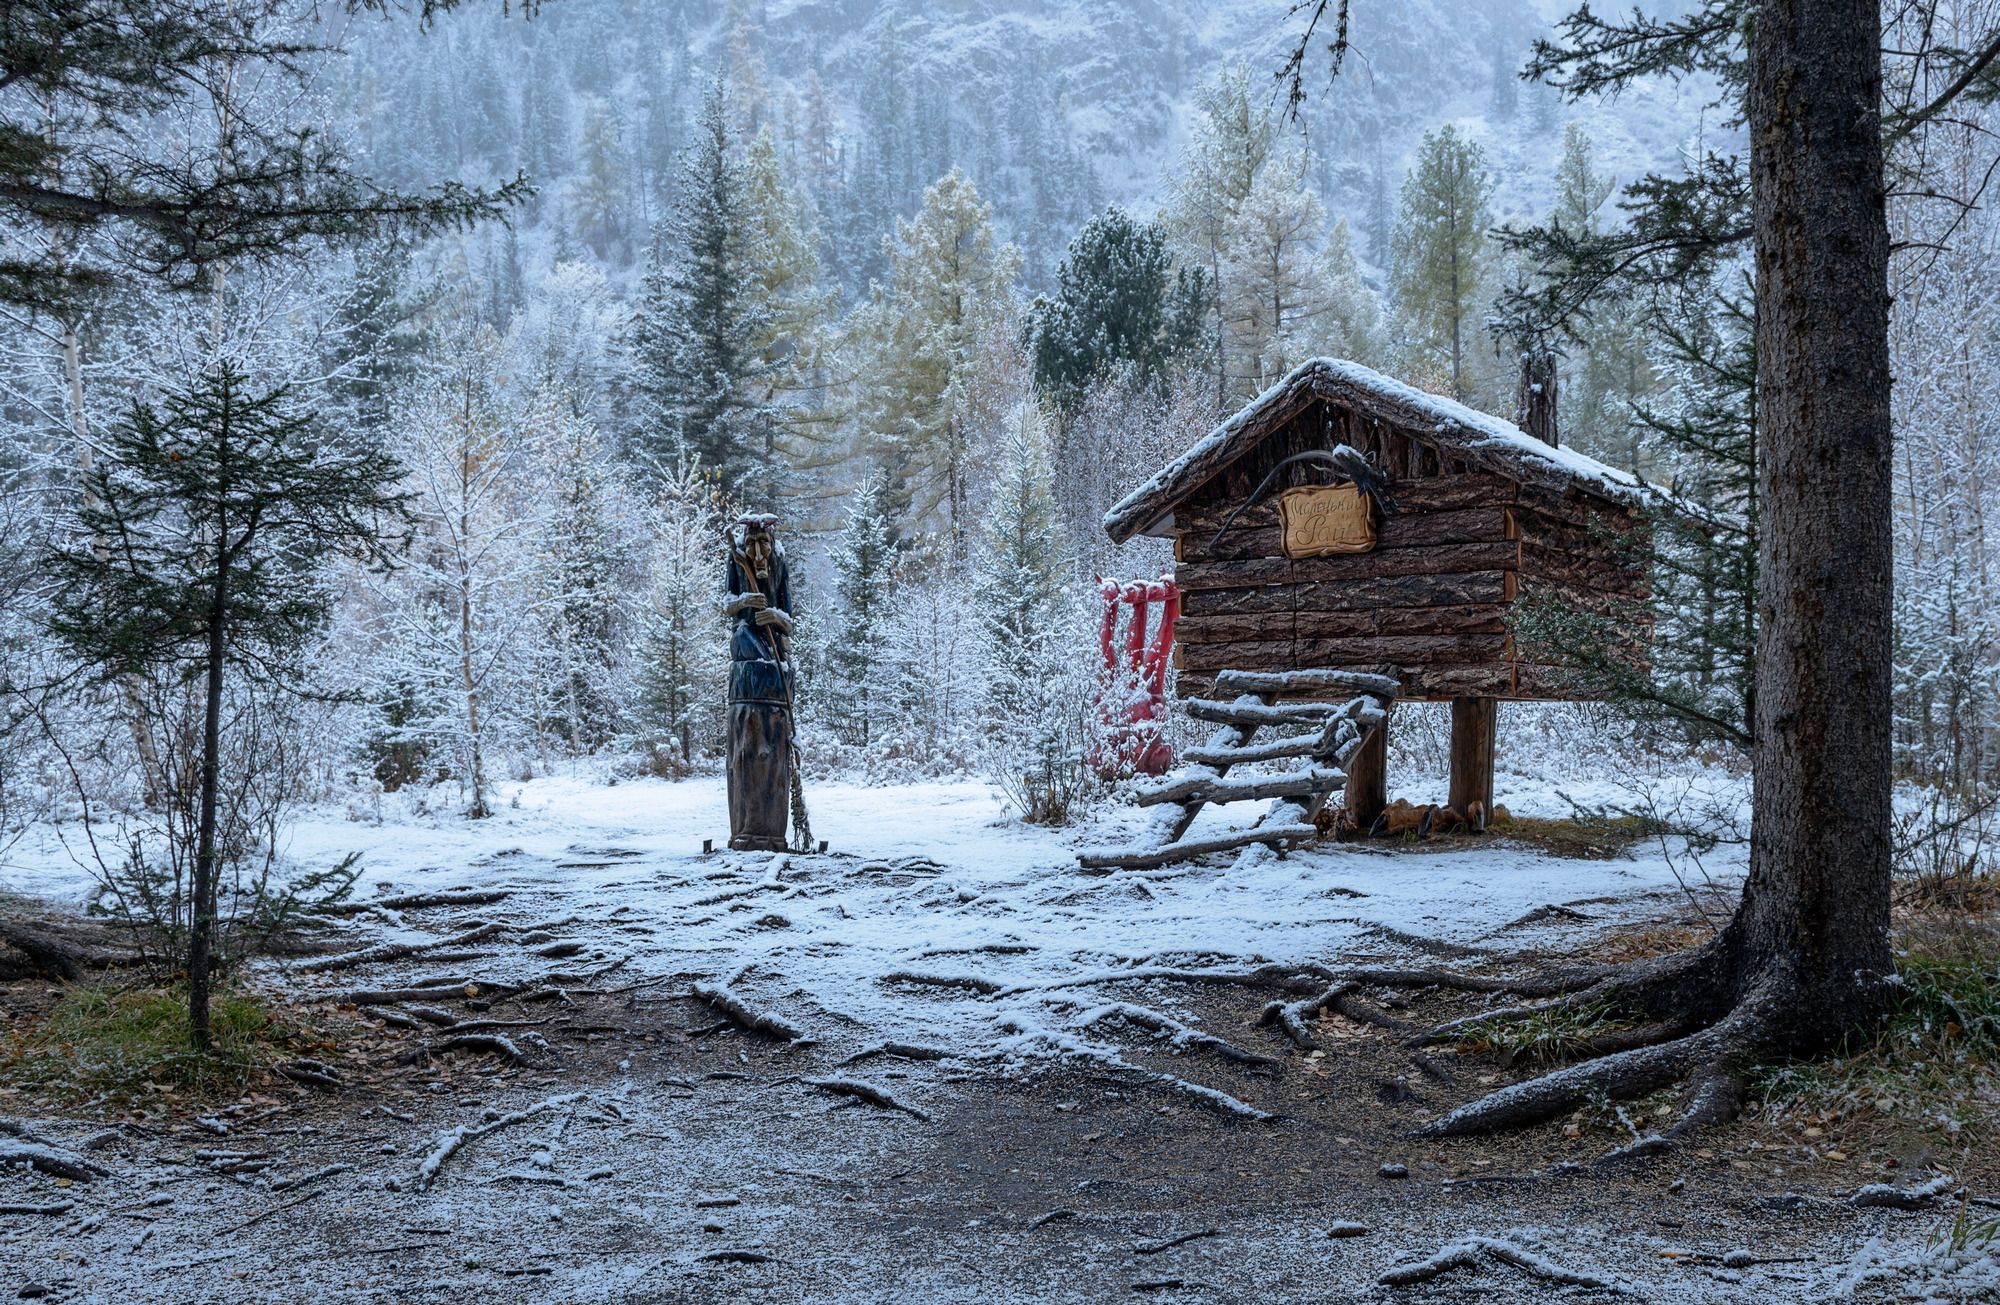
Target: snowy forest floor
point(1078, 1140)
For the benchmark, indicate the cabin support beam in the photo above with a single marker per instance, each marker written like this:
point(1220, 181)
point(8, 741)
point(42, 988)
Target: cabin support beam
point(1472, 728)
point(1368, 778)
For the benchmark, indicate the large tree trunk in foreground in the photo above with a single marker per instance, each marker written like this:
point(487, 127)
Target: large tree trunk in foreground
point(1806, 958)
point(1816, 909)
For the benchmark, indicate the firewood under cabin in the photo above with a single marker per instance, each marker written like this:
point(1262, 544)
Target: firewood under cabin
point(1312, 572)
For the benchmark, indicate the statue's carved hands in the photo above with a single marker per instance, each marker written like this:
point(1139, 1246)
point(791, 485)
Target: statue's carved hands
point(741, 603)
point(775, 617)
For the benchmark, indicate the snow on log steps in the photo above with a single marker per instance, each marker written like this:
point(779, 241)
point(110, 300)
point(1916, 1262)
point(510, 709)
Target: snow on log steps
point(1342, 707)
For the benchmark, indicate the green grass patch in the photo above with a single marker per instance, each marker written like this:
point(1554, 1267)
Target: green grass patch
point(1585, 837)
point(133, 1040)
point(1542, 1038)
point(1933, 1059)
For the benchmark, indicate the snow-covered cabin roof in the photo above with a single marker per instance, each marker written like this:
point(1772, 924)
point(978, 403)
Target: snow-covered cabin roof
point(1496, 445)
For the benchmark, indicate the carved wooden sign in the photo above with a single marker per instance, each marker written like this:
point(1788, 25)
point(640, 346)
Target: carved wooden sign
point(1322, 519)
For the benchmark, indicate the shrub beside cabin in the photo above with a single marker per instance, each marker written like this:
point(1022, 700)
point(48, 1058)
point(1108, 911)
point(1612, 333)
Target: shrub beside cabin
point(1315, 574)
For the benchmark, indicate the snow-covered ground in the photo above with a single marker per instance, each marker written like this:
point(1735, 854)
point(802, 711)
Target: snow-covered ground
point(935, 920)
point(934, 881)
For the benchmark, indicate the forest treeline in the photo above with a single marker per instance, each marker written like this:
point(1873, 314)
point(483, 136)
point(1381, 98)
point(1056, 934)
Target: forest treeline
point(730, 295)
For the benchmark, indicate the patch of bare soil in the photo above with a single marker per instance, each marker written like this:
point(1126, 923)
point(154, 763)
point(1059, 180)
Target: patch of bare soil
point(608, 1140)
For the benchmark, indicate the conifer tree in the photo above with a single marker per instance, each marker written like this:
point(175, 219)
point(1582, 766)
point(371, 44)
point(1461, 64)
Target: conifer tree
point(598, 201)
point(225, 503)
point(695, 362)
point(1275, 292)
point(682, 653)
point(1234, 135)
point(1119, 303)
point(951, 285)
point(583, 564)
point(1439, 252)
point(1020, 567)
point(863, 565)
point(794, 309)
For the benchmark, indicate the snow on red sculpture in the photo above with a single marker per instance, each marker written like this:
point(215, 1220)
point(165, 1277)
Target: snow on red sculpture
point(1132, 697)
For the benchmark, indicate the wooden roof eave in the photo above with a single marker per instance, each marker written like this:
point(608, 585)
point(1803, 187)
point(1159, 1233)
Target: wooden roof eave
point(1150, 512)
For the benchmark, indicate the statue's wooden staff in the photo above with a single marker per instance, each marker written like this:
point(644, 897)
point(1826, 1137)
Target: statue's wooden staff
point(781, 644)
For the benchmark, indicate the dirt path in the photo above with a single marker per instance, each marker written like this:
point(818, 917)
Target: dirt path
point(625, 1144)
point(671, 1167)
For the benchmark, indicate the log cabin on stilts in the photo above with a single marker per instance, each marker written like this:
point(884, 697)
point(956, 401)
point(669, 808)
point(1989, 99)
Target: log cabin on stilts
point(1345, 526)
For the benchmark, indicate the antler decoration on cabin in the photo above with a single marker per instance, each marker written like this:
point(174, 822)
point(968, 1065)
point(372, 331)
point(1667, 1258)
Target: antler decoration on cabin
point(1343, 458)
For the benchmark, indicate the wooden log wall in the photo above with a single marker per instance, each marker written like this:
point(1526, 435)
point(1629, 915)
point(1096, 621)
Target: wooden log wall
point(1429, 604)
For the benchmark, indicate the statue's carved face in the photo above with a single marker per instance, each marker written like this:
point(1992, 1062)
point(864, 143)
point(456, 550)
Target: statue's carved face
point(757, 547)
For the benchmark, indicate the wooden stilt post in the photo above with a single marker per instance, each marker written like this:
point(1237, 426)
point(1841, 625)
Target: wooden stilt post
point(1368, 778)
point(1472, 721)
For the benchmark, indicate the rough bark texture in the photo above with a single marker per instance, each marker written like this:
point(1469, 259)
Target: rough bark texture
point(1817, 901)
point(1472, 728)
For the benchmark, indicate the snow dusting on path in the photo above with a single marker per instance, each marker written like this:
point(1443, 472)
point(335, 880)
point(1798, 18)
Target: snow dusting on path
point(990, 922)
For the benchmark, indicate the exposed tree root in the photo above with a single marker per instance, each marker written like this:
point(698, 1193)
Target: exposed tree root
point(902, 1050)
point(868, 1092)
point(400, 950)
point(1178, 1033)
point(1469, 1253)
point(419, 901)
point(1626, 1074)
point(48, 956)
point(1154, 1248)
point(51, 1160)
point(1292, 1016)
point(488, 1044)
point(973, 982)
point(455, 1141)
point(727, 1004)
point(1883, 1196)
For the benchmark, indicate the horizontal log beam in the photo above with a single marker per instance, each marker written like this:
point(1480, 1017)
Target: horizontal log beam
point(1311, 679)
point(1247, 573)
point(1404, 530)
point(1194, 847)
point(1250, 788)
point(1484, 618)
point(1252, 713)
point(1440, 559)
point(1408, 649)
point(1275, 655)
point(1236, 627)
point(1215, 602)
point(1461, 589)
point(1412, 495)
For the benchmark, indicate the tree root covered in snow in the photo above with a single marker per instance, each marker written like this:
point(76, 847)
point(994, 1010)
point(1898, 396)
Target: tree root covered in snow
point(1883, 1196)
point(1472, 1252)
point(901, 1050)
point(456, 1140)
point(401, 950)
point(868, 1092)
point(420, 901)
point(47, 956)
point(1291, 1016)
point(1179, 1034)
point(488, 1044)
point(51, 1160)
point(971, 982)
point(731, 1007)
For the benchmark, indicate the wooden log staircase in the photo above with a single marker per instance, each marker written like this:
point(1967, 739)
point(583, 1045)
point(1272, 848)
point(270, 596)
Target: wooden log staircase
point(1329, 715)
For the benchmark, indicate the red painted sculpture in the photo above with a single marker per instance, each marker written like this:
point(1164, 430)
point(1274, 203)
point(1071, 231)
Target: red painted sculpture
point(1133, 696)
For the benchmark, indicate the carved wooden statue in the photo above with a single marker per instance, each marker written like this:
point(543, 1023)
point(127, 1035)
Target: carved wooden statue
point(760, 686)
